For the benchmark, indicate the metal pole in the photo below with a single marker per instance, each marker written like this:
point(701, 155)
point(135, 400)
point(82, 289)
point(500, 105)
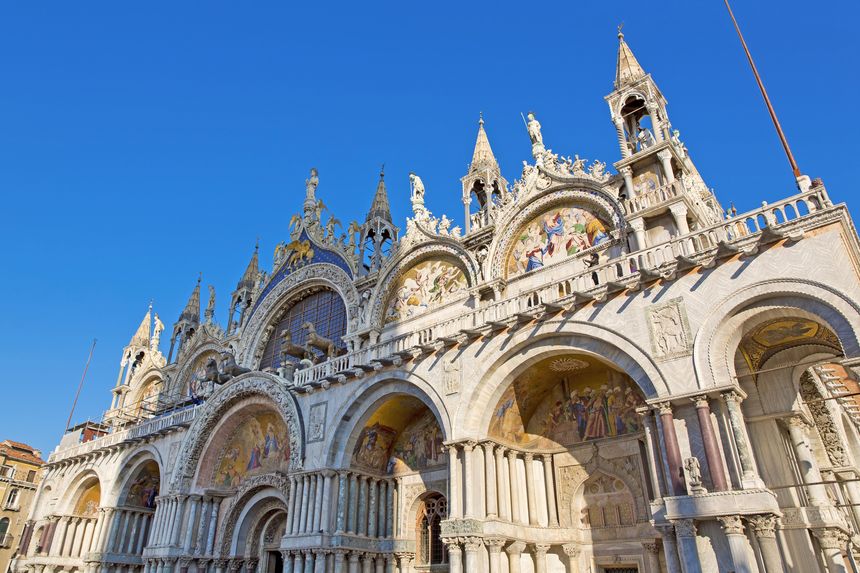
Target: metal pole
point(794, 168)
point(81, 384)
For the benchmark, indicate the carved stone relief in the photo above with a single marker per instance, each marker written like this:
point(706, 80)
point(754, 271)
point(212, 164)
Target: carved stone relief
point(317, 422)
point(670, 330)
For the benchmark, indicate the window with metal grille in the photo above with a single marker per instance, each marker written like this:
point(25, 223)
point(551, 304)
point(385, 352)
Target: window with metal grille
point(431, 550)
point(324, 309)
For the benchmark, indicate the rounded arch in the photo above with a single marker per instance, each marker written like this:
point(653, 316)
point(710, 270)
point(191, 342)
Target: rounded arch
point(582, 193)
point(529, 347)
point(131, 466)
point(368, 397)
point(256, 332)
point(192, 362)
point(717, 339)
point(251, 385)
point(399, 266)
point(83, 489)
point(265, 492)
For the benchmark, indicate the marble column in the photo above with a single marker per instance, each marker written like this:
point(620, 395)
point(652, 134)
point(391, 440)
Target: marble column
point(309, 560)
point(391, 564)
point(177, 522)
point(709, 441)
point(297, 514)
point(371, 507)
point(114, 531)
point(685, 532)
point(213, 523)
point(453, 483)
point(325, 514)
point(514, 551)
point(539, 550)
point(352, 514)
point(514, 486)
point(673, 452)
point(665, 158)
point(366, 563)
point(306, 491)
point(490, 479)
point(807, 464)
point(528, 458)
point(194, 507)
point(390, 507)
point(501, 496)
point(343, 488)
point(203, 523)
point(549, 477)
point(494, 545)
point(381, 508)
point(832, 543)
point(468, 492)
point(764, 529)
point(287, 557)
point(291, 506)
point(637, 224)
point(312, 503)
point(361, 528)
point(738, 543)
point(627, 174)
point(622, 139)
point(572, 551)
point(472, 546)
point(455, 556)
point(319, 492)
point(649, 429)
point(59, 539)
point(353, 562)
point(339, 558)
point(732, 401)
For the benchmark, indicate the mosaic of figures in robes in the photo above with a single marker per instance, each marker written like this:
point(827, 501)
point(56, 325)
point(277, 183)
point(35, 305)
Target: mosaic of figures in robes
point(372, 448)
point(424, 286)
point(144, 488)
point(418, 447)
point(568, 411)
point(259, 445)
point(553, 236)
point(88, 503)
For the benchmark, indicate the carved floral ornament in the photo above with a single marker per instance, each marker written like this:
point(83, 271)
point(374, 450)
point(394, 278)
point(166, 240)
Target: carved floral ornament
point(595, 211)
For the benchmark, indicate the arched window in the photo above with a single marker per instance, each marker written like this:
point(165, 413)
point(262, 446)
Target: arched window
point(431, 551)
point(4, 527)
point(12, 500)
point(324, 310)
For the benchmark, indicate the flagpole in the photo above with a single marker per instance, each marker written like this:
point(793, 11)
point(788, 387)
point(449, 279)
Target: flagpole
point(794, 168)
point(81, 384)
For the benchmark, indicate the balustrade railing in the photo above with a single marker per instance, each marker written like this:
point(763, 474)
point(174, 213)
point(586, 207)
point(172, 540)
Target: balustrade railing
point(581, 282)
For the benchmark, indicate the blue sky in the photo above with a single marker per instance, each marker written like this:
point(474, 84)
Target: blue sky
point(142, 143)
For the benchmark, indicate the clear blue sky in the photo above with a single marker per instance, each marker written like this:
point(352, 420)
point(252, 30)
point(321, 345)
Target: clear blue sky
point(141, 143)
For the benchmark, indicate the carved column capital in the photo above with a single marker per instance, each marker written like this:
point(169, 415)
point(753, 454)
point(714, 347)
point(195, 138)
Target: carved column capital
point(651, 547)
point(684, 527)
point(472, 544)
point(528, 457)
point(732, 396)
point(831, 538)
point(571, 549)
point(469, 446)
point(763, 525)
point(701, 401)
point(664, 155)
point(515, 548)
point(732, 524)
point(541, 549)
point(495, 544)
point(663, 408)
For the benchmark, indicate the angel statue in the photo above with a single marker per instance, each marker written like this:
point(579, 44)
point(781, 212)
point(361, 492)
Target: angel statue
point(156, 334)
point(417, 192)
point(312, 182)
point(533, 126)
point(210, 307)
point(351, 231)
point(330, 227)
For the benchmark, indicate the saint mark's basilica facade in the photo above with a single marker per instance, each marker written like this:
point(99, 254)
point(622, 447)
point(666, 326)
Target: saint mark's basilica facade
point(598, 371)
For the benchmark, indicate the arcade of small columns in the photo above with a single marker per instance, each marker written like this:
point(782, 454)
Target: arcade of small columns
point(87, 538)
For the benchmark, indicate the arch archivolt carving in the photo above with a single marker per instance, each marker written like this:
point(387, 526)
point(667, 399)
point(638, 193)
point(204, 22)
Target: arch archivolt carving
point(256, 331)
point(583, 194)
point(367, 398)
point(718, 337)
point(76, 485)
point(186, 371)
point(573, 478)
point(395, 270)
point(251, 385)
point(129, 464)
point(531, 346)
point(243, 502)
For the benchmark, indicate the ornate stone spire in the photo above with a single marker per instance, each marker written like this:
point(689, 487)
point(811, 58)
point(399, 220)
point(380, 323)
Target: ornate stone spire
point(191, 313)
point(252, 272)
point(141, 337)
point(483, 157)
point(380, 208)
point(628, 69)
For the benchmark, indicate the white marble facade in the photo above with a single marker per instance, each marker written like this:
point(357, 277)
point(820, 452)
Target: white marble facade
point(598, 370)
